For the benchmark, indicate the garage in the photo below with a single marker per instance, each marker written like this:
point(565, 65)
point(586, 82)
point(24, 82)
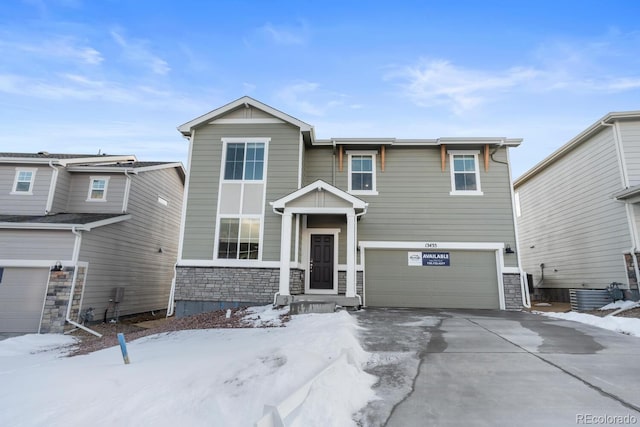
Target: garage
point(22, 293)
point(431, 279)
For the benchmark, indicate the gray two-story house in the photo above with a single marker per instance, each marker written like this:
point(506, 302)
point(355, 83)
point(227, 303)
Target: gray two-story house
point(579, 211)
point(273, 214)
point(84, 238)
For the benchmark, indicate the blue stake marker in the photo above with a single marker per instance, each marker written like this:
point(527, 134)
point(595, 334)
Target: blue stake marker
point(123, 347)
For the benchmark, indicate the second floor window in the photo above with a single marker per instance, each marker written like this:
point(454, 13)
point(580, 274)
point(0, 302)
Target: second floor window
point(244, 161)
point(465, 173)
point(98, 188)
point(24, 181)
point(362, 172)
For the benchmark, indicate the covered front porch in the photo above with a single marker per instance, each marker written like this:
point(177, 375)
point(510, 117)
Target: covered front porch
point(319, 227)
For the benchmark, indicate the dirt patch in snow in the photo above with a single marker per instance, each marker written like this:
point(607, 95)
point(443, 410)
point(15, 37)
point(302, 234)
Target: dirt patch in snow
point(88, 343)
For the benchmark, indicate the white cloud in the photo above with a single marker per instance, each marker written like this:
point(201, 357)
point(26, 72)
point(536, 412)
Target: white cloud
point(439, 82)
point(59, 48)
point(309, 98)
point(136, 51)
point(286, 36)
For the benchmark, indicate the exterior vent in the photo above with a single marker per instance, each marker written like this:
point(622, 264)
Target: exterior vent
point(43, 153)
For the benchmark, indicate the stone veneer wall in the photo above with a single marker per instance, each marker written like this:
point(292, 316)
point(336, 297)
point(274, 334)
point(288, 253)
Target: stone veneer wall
point(233, 284)
point(512, 291)
point(57, 300)
point(342, 282)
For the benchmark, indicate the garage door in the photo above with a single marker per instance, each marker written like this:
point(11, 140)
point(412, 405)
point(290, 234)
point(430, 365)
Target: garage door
point(469, 281)
point(22, 292)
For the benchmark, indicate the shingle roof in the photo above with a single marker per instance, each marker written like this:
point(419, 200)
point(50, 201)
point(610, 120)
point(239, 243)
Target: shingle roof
point(45, 155)
point(61, 218)
point(133, 164)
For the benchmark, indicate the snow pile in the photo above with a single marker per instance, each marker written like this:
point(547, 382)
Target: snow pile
point(625, 305)
point(265, 316)
point(625, 325)
point(195, 378)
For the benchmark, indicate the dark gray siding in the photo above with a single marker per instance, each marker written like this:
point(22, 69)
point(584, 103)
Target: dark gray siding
point(570, 222)
point(79, 191)
point(414, 203)
point(205, 162)
point(24, 204)
point(128, 253)
point(51, 245)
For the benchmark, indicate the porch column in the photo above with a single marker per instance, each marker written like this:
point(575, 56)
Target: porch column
point(285, 252)
point(351, 255)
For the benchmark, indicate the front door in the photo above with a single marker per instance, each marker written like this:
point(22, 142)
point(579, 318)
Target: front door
point(321, 262)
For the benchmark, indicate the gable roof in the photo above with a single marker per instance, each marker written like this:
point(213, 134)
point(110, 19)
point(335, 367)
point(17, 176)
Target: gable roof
point(605, 121)
point(186, 128)
point(320, 185)
point(133, 167)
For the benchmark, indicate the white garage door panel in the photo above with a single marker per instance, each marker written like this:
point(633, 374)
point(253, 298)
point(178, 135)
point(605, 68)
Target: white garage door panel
point(469, 282)
point(22, 293)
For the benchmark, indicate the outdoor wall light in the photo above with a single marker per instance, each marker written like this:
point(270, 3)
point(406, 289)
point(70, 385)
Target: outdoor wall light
point(508, 250)
point(57, 267)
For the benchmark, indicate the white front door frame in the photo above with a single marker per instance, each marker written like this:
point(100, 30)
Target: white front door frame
point(307, 257)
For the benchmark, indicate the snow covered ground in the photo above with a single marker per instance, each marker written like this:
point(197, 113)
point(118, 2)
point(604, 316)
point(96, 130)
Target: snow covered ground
point(214, 377)
point(625, 325)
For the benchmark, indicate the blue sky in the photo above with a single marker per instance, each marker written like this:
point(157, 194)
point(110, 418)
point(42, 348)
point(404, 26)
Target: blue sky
point(120, 75)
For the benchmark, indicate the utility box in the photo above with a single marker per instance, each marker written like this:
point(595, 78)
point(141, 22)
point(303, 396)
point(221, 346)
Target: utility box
point(119, 295)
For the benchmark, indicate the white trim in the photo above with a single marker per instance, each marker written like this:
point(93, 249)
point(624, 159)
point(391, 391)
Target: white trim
point(61, 226)
point(374, 160)
point(511, 270)
point(94, 178)
point(185, 197)
point(499, 272)
point(52, 188)
point(300, 160)
point(622, 164)
point(320, 185)
point(470, 246)
point(516, 202)
point(127, 190)
point(223, 262)
point(307, 258)
point(32, 183)
point(454, 192)
point(256, 121)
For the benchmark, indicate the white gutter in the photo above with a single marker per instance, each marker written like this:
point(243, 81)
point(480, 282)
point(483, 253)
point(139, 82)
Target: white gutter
point(76, 255)
point(52, 188)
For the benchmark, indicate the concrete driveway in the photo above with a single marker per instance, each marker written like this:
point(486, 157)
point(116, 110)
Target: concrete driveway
point(493, 368)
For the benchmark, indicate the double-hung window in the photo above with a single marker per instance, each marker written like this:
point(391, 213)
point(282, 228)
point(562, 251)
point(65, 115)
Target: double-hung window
point(241, 198)
point(362, 172)
point(23, 183)
point(98, 189)
point(465, 173)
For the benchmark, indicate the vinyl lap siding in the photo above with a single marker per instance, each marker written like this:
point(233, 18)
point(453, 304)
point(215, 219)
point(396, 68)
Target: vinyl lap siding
point(61, 195)
point(205, 163)
point(79, 192)
point(414, 204)
point(50, 245)
point(570, 222)
point(127, 253)
point(23, 204)
point(630, 132)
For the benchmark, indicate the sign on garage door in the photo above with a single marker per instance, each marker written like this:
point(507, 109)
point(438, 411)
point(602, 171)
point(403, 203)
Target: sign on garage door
point(22, 292)
point(468, 279)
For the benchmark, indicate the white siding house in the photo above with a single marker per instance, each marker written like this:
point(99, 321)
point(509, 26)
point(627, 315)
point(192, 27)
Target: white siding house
point(578, 211)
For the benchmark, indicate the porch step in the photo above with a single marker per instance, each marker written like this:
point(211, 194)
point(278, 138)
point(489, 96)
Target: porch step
point(302, 307)
point(337, 299)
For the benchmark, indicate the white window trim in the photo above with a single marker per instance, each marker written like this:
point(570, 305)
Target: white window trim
point(106, 186)
point(226, 141)
point(223, 158)
point(455, 192)
point(31, 184)
point(516, 200)
point(373, 154)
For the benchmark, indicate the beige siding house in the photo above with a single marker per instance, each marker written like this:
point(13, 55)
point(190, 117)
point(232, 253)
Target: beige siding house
point(84, 226)
point(578, 211)
point(273, 214)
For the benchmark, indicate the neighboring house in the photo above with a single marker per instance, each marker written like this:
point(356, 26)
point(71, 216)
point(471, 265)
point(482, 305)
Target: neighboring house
point(579, 211)
point(85, 225)
point(273, 214)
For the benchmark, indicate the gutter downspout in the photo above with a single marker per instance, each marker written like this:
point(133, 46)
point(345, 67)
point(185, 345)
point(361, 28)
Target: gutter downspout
point(624, 176)
point(364, 211)
point(524, 290)
point(127, 189)
point(333, 166)
point(76, 254)
point(52, 188)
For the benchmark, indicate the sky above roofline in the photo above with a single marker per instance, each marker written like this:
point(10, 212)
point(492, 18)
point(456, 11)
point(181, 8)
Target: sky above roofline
point(118, 76)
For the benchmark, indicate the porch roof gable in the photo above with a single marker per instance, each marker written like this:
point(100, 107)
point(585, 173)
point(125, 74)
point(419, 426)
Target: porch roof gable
point(303, 198)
